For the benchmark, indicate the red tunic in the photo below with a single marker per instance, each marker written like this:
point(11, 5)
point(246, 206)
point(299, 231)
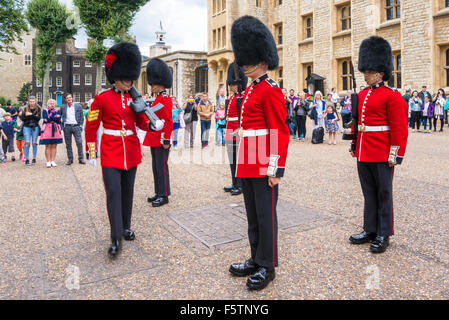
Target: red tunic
point(232, 126)
point(382, 106)
point(112, 109)
point(263, 107)
point(158, 138)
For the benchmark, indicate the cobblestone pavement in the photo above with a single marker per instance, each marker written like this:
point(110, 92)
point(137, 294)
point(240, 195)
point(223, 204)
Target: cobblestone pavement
point(54, 228)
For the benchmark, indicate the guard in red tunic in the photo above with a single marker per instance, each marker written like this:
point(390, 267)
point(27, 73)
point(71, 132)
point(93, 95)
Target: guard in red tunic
point(237, 82)
point(120, 147)
point(160, 79)
point(381, 142)
point(262, 153)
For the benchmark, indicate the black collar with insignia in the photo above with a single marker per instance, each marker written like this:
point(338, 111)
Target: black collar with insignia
point(260, 79)
point(377, 85)
point(163, 92)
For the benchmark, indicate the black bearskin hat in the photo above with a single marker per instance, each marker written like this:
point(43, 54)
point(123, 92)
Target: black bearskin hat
point(253, 43)
point(159, 73)
point(123, 62)
point(375, 54)
point(242, 81)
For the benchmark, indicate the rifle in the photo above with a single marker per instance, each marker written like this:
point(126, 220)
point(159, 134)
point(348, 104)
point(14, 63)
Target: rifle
point(138, 105)
point(354, 123)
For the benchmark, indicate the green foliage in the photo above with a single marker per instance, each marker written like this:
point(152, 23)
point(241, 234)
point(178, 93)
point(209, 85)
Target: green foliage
point(25, 92)
point(49, 18)
point(12, 24)
point(96, 52)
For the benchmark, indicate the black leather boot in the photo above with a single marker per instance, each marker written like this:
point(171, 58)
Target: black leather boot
point(362, 238)
point(236, 191)
point(243, 269)
point(153, 198)
point(115, 248)
point(228, 188)
point(129, 235)
point(261, 278)
point(380, 244)
point(160, 201)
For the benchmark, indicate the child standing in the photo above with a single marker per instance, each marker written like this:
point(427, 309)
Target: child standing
point(220, 117)
point(20, 141)
point(176, 116)
point(8, 136)
point(331, 124)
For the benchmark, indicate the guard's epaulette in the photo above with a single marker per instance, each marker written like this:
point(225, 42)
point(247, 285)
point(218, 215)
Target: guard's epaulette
point(271, 82)
point(391, 88)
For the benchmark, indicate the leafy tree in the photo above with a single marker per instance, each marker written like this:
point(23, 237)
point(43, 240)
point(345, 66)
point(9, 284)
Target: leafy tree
point(25, 92)
point(51, 20)
point(12, 24)
point(106, 19)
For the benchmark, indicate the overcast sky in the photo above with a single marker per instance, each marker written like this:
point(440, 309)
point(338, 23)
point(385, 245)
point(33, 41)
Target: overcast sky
point(185, 22)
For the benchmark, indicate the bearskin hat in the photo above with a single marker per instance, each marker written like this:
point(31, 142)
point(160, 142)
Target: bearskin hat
point(159, 73)
point(375, 54)
point(253, 43)
point(123, 62)
point(242, 81)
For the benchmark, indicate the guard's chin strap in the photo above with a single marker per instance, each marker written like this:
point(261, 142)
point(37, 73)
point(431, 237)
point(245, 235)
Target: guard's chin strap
point(252, 70)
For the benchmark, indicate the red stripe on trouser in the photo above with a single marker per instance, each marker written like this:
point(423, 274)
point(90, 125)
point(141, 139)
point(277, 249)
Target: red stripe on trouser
point(272, 217)
point(165, 173)
point(392, 212)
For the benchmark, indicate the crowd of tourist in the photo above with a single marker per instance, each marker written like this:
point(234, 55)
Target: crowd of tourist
point(30, 125)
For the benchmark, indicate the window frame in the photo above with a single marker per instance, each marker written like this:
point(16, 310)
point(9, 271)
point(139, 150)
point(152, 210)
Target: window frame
point(76, 63)
point(396, 75)
point(79, 79)
point(86, 77)
point(396, 4)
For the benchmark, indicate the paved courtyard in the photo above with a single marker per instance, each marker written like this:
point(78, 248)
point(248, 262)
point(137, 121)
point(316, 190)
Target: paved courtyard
point(55, 230)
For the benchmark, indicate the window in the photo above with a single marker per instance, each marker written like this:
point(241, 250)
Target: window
point(223, 33)
point(38, 83)
point(392, 9)
point(39, 97)
point(88, 79)
point(76, 97)
point(58, 66)
point(50, 82)
point(278, 32)
point(447, 62)
point(87, 96)
point(277, 3)
point(345, 18)
point(308, 27)
point(76, 63)
point(345, 74)
point(259, 3)
point(280, 77)
point(27, 60)
point(201, 79)
point(103, 79)
point(76, 79)
point(88, 64)
point(446, 3)
point(58, 51)
point(214, 39)
point(307, 70)
point(219, 38)
point(396, 80)
point(59, 82)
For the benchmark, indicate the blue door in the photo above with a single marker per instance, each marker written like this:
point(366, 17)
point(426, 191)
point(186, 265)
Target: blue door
point(59, 99)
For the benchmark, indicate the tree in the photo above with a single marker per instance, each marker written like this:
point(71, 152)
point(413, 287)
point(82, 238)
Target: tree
point(106, 19)
point(25, 92)
point(12, 24)
point(51, 20)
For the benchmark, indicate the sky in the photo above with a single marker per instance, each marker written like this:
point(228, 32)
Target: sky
point(185, 22)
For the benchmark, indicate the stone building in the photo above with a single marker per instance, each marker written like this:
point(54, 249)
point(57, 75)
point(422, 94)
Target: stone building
point(16, 69)
point(322, 37)
point(71, 73)
point(189, 69)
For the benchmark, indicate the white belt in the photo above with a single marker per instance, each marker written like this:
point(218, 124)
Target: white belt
point(254, 133)
point(363, 128)
point(118, 133)
point(233, 119)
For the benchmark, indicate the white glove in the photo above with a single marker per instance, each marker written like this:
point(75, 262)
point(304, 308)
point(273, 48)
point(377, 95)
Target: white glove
point(92, 162)
point(160, 125)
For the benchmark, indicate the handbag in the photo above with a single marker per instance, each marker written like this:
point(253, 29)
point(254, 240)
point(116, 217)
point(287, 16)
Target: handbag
point(182, 122)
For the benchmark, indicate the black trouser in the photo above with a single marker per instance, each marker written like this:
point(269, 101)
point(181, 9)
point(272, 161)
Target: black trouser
point(160, 171)
point(77, 133)
point(376, 179)
point(435, 121)
point(301, 126)
point(232, 147)
point(119, 186)
point(260, 203)
point(416, 119)
point(8, 145)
